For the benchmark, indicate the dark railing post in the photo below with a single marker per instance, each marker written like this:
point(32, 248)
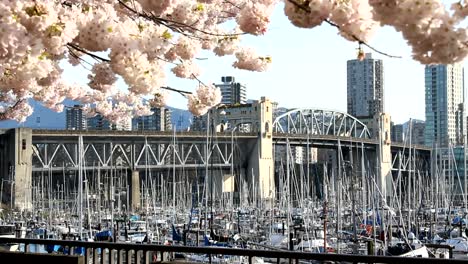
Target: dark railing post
point(96, 255)
point(26, 248)
point(146, 257)
point(112, 256)
point(87, 255)
point(137, 256)
point(104, 257)
point(129, 256)
point(93, 250)
point(119, 256)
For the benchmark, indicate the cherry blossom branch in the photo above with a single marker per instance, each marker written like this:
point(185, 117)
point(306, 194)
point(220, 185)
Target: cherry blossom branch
point(234, 5)
point(81, 60)
point(306, 8)
point(199, 81)
point(92, 55)
point(181, 92)
point(361, 42)
point(3, 115)
point(174, 25)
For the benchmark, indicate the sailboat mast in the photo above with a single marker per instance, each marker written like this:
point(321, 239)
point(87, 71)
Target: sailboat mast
point(173, 177)
point(206, 167)
point(80, 184)
point(465, 186)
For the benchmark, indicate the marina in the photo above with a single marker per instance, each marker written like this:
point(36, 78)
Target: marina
point(334, 208)
point(99, 165)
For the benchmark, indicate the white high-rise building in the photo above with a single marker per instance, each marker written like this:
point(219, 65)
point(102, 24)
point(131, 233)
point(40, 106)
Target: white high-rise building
point(232, 91)
point(75, 118)
point(160, 120)
point(98, 122)
point(445, 122)
point(365, 87)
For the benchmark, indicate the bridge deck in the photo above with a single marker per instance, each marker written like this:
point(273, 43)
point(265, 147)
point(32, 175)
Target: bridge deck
point(278, 138)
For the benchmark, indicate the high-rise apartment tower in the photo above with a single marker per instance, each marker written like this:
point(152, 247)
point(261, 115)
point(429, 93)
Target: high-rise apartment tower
point(365, 84)
point(232, 91)
point(75, 118)
point(160, 120)
point(445, 122)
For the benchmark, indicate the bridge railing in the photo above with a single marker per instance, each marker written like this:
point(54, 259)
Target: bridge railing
point(106, 252)
point(150, 133)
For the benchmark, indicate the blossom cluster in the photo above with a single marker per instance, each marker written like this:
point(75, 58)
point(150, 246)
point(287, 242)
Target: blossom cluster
point(204, 98)
point(432, 31)
point(138, 40)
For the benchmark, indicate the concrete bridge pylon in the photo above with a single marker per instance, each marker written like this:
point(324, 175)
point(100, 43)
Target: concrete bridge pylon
point(261, 162)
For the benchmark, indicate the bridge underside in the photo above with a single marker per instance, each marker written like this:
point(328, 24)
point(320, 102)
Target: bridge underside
point(191, 162)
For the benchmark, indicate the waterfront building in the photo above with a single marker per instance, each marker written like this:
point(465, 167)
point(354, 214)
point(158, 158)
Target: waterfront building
point(451, 166)
point(396, 133)
point(365, 87)
point(75, 118)
point(98, 122)
point(413, 129)
point(416, 129)
point(444, 96)
point(168, 119)
point(243, 116)
point(232, 92)
point(160, 120)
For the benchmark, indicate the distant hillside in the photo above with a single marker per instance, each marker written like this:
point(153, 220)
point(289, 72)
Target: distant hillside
point(45, 118)
point(42, 117)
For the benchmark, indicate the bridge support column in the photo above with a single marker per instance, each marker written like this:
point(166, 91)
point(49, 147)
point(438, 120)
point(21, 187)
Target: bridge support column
point(261, 169)
point(384, 157)
point(16, 168)
point(135, 190)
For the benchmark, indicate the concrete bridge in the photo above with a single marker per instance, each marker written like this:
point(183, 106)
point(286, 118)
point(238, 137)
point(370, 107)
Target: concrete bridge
point(255, 153)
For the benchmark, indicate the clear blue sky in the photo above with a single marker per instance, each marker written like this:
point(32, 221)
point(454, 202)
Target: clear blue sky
point(309, 70)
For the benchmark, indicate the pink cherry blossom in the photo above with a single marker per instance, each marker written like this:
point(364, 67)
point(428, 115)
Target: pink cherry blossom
point(195, 106)
point(247, 59)
point(204, 98)
point(138, 41)
point(186, 69)
point(159, 99)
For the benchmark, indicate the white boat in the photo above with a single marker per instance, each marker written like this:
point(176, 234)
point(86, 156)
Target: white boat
point(460, 244)
point(9, 231)
point(421, 252)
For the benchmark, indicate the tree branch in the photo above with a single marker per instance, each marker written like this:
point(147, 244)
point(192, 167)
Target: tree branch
point(2, 115)
point(94, 56)
point(195, 77)
point(306, 9)
point(234, 5)
point(362, 42)
point(81, 60)
point(174, 25)
point(182, 92)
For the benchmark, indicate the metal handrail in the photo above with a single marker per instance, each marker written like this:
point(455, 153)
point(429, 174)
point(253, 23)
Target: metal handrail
point(131, 248)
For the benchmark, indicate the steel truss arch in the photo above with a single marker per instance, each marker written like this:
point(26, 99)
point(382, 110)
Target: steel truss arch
point(320, 122)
